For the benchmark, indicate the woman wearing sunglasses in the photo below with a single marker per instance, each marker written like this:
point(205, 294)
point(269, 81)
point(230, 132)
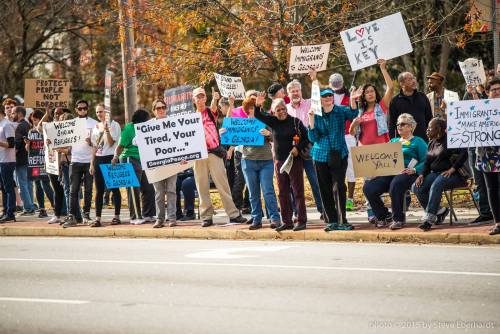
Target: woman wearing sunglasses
point(414, 153)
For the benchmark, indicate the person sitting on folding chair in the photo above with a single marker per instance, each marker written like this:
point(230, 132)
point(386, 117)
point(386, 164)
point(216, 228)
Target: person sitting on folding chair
point(443, 170)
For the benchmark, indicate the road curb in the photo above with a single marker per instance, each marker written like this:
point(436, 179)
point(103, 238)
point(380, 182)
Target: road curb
point(267, 234)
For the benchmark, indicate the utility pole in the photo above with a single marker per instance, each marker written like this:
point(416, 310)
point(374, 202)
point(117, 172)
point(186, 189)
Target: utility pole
point(128, 61)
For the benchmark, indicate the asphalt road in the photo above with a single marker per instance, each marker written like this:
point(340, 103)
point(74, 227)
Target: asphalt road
point(72, 285)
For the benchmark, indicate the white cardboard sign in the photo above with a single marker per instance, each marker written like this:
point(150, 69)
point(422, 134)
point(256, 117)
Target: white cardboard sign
point(473, 123)
point(308, 57)
point(473, 71)
point(67, 133)
point(51, 157)
point(385, 38)
point(315, 98)
point(170, 140)
point(230, 86)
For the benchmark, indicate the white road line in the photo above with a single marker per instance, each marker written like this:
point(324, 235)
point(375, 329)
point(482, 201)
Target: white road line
point(43, 300)
point(264, 266)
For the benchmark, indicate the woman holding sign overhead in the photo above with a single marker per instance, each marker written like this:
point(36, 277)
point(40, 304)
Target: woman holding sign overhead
point(104, 137)
point(414, 153)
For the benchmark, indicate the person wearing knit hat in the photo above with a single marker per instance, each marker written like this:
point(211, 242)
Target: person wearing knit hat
point(277, 91)
point(439, 96)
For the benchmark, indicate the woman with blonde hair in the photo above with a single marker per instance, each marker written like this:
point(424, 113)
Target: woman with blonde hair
point(414, 153)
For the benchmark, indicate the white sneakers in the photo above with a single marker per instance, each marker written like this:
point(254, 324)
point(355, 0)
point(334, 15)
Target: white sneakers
point(54, 220)
point(147, 220)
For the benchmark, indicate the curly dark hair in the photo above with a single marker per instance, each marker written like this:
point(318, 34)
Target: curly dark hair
point(140, 116)
point(362, 99)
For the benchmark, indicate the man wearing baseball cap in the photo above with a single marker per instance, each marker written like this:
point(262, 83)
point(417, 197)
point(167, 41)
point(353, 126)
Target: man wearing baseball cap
point(213, 166)
point(439, 97)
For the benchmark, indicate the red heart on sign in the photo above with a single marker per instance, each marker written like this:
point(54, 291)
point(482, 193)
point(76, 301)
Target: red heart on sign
point(360, 32)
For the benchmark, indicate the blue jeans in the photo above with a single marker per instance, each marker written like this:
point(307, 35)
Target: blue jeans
point(396, 186)
point(259, 175)
point(7, 187)
point(431, 190)
point(24, 187)
point(313, 181)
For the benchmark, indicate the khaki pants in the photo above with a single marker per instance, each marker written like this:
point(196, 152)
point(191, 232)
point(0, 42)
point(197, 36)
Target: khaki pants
point(213, 166)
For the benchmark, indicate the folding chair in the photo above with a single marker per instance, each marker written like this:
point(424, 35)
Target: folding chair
point(449, 198)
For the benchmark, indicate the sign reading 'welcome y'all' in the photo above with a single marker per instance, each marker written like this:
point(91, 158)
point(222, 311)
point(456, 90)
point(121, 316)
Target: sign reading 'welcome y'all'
point(377, 160)
point(308, 57)
point(385, 38)
point(473, 123)
point(242, 131)
point(66, 133)
point(170, 140)
point(46, 93)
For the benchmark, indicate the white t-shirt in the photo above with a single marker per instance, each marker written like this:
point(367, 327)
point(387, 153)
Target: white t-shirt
point(7, 129)
point(82, 152)
point(100, 139)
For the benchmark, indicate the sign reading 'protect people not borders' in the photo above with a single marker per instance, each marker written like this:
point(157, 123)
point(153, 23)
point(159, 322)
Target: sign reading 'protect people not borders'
point(47, 93)
point(171, 140)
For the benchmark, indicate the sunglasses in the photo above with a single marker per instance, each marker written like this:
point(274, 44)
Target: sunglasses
point(161, 108)
point(82, 108)
point(327, 95)
point(402, 124)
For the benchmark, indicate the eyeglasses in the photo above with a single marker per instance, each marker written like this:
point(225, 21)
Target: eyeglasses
point(497, 89)
point(82, 108)
point(161, 108)
point(401, 124)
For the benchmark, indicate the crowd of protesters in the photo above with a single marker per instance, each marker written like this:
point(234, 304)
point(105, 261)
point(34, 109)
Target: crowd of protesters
point(297, 140)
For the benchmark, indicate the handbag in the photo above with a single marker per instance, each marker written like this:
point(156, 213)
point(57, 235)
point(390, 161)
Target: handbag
point(219, 151)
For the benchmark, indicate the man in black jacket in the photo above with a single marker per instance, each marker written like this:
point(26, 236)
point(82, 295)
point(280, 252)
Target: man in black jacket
point(412, 102)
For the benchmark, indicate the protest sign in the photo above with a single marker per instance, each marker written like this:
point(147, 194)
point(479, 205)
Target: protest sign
point(36, 155)
point(315, 98)
point(163, 172)
point(107, 95)
point(46, 93)
point(179, 100)
point(385, 38)
point(119, 175)
point(230, 86)
point(51, 158)
point(170, 140)
point(473, 71)
point(377, 160)
point(242, 131)
point(473, 123)
point(67, 133)
point(308, 57)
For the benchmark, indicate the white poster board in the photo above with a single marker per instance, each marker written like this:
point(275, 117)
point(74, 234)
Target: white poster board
point(385, 38)
point(107, 95)
point(308, 57)
point(67, 133)
point(170, 140)
point(473, 123)
point(163, 172)
point(473, 71)
point(230, 86)
point(51, 157)
point(315, 98)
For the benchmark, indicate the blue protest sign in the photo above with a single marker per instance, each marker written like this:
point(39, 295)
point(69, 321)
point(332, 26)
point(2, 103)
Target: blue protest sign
point(242, 131)
point(119, 175)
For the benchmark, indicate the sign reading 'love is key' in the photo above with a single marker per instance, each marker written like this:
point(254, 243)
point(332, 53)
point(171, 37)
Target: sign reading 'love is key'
point(384, 38)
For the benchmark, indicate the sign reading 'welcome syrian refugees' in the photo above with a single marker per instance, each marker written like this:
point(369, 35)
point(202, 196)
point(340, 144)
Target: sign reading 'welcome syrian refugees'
point(170, 140)
point(473, 123)
point(66, 133)
point(385, 38)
